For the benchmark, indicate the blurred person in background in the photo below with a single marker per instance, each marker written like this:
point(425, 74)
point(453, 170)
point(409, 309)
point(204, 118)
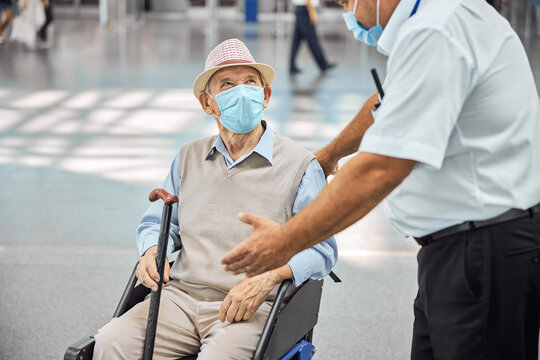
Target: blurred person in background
point(42, 33)
point(304, 29)
point(28, 23)
point(5, 16)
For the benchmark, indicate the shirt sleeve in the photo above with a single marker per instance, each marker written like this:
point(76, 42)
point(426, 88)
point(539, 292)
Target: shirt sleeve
point(148, 229)
point(429, 77)
point(315, 262)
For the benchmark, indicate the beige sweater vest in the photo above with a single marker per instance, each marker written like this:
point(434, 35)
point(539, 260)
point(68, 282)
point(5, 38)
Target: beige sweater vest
point(211, 196)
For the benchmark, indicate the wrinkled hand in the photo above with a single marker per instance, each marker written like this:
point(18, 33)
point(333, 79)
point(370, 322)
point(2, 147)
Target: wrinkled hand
point(244, 299)
point(263, 250)
point(147, 272)
point(329, 166)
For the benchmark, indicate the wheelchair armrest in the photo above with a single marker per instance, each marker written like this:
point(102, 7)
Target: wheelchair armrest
point(287, 325)
point(122, 305)
point(81, 350)
point(272, 317)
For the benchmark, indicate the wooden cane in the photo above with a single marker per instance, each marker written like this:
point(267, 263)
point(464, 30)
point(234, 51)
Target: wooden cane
point(151, 326)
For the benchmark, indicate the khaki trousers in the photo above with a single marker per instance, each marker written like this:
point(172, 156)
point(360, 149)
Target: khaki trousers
point(186, 326)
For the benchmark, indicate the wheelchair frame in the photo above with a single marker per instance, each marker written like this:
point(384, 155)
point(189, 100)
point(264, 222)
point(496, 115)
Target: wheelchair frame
point(287, 333)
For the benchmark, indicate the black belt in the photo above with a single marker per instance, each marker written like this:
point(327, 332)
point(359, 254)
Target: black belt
point(512, 214)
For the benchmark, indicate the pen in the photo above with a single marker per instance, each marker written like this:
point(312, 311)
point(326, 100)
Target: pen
point(379, 87)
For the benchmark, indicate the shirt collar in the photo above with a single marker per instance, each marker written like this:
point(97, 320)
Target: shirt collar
point(265, 148)
point(399, 16)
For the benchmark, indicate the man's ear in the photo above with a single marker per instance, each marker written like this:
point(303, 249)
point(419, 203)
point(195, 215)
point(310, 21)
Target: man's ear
point(267, 93)
point(203, 99)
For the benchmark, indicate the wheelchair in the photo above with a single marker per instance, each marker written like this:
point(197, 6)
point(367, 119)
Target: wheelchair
point(287, 334)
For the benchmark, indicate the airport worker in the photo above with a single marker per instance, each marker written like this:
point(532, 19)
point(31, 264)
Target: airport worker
point(454, 148)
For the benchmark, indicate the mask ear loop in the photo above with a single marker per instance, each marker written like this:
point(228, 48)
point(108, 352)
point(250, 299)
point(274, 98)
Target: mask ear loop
point(378, 6)
point(355, 7)
point(208, 93)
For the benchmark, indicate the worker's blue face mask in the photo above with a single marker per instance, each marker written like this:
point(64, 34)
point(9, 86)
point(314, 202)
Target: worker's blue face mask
point(367, 36)
point(241, 108)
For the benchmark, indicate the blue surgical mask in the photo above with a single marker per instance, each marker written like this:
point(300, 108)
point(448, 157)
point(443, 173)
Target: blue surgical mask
point(241, 108)
point(367, 36)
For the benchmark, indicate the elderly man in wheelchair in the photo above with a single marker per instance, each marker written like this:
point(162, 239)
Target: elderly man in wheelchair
point(247, 167)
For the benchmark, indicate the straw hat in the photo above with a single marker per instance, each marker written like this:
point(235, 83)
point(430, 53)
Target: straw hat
point(231, 52)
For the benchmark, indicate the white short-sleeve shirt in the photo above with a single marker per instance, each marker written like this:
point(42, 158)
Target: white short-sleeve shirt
point(460, 100)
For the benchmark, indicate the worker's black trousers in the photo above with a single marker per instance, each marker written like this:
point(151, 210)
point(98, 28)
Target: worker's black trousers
point(479, 294)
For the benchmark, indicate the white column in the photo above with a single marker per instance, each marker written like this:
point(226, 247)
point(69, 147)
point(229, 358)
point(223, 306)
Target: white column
point(211, 27)
point(103, 13)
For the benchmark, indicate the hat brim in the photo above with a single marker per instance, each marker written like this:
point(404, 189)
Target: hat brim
point(266, 71)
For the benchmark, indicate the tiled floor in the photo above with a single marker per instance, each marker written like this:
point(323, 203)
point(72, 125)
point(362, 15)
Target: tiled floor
point(89, 127)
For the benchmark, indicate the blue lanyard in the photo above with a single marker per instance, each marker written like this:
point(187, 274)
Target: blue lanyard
point(415, 8)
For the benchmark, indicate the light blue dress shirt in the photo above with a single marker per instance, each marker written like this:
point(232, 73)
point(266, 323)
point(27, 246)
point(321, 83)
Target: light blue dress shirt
point(314, 263)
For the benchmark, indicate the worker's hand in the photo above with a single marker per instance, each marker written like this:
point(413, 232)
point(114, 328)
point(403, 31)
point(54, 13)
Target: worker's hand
point(46, 3)
point(244, 299)
point(263, 250)
point(147, 272)
point(313, 16)
point(329, 165)
point(25, 4)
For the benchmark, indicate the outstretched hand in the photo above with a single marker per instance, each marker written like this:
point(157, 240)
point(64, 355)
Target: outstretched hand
point(265, 249)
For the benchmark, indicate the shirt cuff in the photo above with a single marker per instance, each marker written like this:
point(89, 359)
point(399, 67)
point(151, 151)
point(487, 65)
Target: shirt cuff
point(301, 268)
point(403, 149)
point(147, 244)
point(153, 241)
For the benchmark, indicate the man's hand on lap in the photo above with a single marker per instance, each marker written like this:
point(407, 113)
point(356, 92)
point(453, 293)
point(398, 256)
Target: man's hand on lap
point(244, 299)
